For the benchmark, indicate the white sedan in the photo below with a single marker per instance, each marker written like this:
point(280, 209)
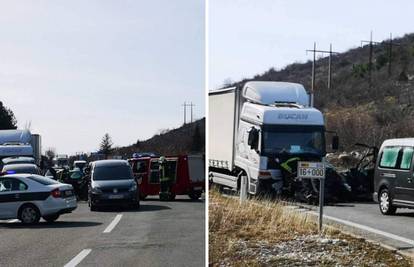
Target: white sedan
point(28, 197)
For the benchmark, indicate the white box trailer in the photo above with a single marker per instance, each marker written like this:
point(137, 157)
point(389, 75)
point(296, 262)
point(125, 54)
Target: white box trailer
point(223, 122)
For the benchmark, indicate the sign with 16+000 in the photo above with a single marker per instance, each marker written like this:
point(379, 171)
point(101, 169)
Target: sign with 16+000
point(311, 170)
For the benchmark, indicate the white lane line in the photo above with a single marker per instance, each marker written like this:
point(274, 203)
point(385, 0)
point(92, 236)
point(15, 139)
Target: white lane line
point(112, 225)
point(367, 228)
point(78, 258)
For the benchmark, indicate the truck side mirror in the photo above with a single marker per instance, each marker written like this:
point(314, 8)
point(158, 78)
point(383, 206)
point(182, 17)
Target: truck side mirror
point(253, 138)
point(335, 142)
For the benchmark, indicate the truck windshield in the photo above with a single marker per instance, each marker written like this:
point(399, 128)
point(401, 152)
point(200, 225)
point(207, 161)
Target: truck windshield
point(293, 139)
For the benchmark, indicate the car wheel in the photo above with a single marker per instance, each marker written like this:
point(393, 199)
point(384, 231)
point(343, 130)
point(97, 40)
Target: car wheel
point(385, 205)
point(93, 207)
point(29, 214)
point(51, 218)
point(194, 195)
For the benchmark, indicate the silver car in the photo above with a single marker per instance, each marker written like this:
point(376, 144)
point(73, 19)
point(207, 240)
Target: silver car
point(29, 197)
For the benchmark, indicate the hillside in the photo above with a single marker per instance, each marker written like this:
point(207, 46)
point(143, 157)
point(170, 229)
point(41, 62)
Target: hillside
point(182, 140)
point(358, 112)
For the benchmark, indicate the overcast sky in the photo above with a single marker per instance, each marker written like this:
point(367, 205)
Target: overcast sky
point(249, 37)
point(78, 69)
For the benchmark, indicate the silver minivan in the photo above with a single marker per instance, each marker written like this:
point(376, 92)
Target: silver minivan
point(393, 180)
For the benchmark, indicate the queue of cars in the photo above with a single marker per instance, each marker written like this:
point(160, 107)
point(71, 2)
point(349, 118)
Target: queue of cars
point(26, 195)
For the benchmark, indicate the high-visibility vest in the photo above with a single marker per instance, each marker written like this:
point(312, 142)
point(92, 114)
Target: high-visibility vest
point(285, 165)
point(163, 178)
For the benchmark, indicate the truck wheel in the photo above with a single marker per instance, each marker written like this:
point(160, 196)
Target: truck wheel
point(195, 195)
point(29, 214)
point(172, 197)
point(385, 205)
point(51, 218)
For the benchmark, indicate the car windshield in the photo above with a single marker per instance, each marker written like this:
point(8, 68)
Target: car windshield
point(42, 180)
point(294, 140)
point(115, 172)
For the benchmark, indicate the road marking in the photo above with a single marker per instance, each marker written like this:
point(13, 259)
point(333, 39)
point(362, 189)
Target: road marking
point(78, 258)
point(112, 225)
point(367, 228)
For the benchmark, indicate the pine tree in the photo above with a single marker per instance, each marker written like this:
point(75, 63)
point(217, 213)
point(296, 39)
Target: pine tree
point(106, 145)
point(7, 118)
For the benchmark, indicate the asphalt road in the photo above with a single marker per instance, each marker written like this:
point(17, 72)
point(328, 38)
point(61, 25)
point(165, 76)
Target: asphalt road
point(366, 219)
point(159, 234)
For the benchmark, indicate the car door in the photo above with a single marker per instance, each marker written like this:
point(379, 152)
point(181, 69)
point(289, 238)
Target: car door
point(404, 186)
point(387, 169)
point(10, 196)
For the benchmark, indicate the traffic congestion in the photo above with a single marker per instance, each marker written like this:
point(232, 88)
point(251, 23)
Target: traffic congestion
point(30, 192)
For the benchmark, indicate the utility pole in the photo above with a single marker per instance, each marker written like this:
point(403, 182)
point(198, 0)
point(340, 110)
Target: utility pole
point(185, 105)
point(314, 51)
point(371, 49)
point(390, 44)
point(191, 106)
point(185, 112)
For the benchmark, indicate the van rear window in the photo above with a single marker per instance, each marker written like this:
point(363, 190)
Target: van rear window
point(389, 157)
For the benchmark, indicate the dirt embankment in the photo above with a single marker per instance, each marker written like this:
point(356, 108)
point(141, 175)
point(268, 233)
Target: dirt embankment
point(267, 233)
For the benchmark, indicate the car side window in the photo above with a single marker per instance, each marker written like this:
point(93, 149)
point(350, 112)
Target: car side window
point(389, 157)
point(9, 184)
point(406, 159)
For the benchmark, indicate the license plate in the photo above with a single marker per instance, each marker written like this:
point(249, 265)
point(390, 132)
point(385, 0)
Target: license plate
point(116, 196)
point(308, 170)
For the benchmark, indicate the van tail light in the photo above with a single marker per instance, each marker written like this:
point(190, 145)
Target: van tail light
point(56, 193)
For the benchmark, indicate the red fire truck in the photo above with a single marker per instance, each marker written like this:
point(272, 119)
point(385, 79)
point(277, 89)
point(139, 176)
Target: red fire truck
point(186, 171)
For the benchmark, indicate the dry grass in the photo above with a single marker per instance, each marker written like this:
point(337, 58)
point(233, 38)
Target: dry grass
point(267, 233)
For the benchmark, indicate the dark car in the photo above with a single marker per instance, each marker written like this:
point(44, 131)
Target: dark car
point(21, 168)
point(393, 180)
point(112, 184)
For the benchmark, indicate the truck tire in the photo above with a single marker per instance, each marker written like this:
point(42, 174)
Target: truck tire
point(385, 205)
point(51, 218)
point(29, 214)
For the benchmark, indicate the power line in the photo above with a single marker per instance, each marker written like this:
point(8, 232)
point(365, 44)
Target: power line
point(185, 105)
point(371, 48)
point(390, 44)
point(314, 51)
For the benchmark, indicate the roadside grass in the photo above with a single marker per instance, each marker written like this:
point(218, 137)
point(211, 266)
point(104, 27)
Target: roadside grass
point(268, 233)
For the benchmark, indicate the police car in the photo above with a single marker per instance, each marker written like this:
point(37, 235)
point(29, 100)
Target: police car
point(28, 197)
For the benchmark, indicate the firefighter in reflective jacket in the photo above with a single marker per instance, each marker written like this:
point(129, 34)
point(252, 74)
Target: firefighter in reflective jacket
point(289, 174)
point(301, 190)
point(165, 181)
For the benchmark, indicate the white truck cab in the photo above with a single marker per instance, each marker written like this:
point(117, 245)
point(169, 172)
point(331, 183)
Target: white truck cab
point(253, 129)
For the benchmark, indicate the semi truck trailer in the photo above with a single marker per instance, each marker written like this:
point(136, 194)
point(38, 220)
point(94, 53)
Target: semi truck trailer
point(15, 143)
point(255, 128)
